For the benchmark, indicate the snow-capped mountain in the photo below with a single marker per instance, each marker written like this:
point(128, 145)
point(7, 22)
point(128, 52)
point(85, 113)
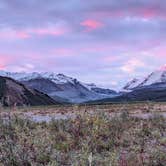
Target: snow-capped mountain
point(158, 76)
point(56, 78)
point(61, 87)
point(132, 84)
point(19, 76)
point(22, 76)
point(150, 88)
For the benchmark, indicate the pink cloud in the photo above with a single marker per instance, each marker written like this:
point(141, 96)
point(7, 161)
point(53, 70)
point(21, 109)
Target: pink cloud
point(2, 66)
point(91, 24)
point(10, 34)
point(14, 34)
point(4, 61)
point(58, 29)
point(147, 13)
point(131, 65)
point(159, 52)
point(162, 68)
point(22, 35)
point(142, 12)
point(54, 31)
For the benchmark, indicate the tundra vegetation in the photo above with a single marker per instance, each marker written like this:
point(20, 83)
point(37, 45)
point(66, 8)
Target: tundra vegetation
point(86, 140)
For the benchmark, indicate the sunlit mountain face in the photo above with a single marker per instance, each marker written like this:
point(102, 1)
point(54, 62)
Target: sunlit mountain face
point(107, 42)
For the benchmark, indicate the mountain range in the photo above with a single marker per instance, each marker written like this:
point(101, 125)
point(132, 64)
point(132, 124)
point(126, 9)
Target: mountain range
point(149, 88)
point(50, 88)
point(158, 76)
point(61, 87)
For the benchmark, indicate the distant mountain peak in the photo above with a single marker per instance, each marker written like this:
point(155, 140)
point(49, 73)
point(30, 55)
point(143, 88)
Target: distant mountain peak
point(133, 83)
point(158, 76)
point(22, 76)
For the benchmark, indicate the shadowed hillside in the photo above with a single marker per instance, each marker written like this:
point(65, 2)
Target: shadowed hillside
point(15, 93)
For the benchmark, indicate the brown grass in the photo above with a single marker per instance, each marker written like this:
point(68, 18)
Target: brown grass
point(89, 139)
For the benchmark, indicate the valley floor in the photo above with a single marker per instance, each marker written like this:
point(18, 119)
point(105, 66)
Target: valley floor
point(47, 113)
point(97, 135)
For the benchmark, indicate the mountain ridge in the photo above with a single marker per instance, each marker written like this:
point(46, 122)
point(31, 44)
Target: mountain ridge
point(13, 93)
point(61, 87)
point(157, 76)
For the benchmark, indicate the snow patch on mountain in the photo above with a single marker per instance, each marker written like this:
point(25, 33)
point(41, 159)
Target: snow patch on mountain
point(89, 86)
point(158, 76)
point(155, 77)
point(132, 84)
point(22, 76)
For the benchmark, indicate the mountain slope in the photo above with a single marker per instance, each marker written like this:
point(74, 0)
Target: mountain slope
point(132, 84)
point(155, 92)
point(15, 93)
point(158, 76)
point(150, 88)
point(61, 87)
point(46, 86)
point(72, 92)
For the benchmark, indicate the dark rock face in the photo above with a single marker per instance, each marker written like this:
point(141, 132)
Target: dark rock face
point(15, 93)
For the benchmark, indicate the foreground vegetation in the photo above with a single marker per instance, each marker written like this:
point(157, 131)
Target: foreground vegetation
point(87, 140)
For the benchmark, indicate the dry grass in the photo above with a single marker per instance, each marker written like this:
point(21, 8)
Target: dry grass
point(132, 108)
point(89, 139)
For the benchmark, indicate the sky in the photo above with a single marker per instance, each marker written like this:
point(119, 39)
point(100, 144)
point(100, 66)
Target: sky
point(107, 42)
